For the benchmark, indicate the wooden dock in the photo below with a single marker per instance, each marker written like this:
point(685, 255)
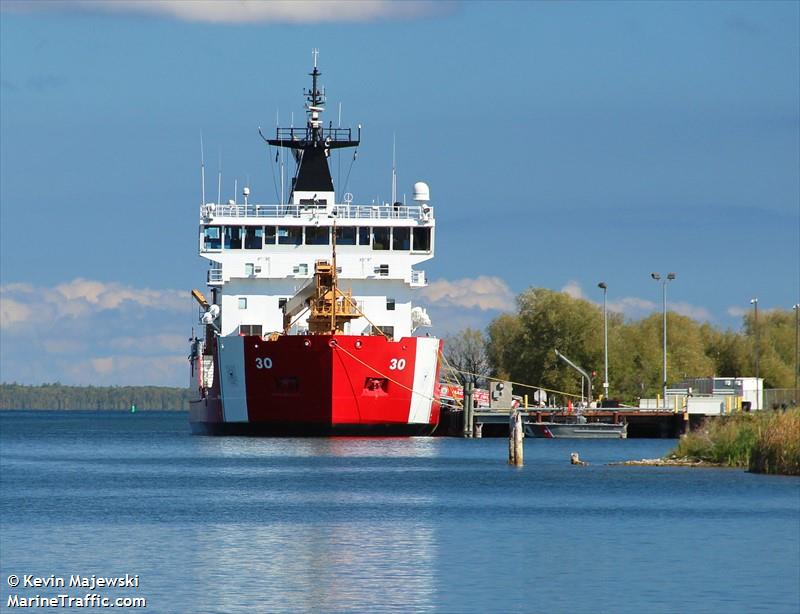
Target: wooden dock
point(642, 423)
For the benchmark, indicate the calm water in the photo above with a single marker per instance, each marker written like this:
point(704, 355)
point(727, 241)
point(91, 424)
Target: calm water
point(260, 525)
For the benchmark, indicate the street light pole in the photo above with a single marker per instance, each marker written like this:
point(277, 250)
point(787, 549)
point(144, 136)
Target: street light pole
point(603, 285)
point(754, 303)
point(669, 278)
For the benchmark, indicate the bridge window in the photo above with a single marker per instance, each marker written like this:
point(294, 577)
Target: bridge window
point(313, 202)
point(363, 235)
point(346, 235)
point(253, 237)
point(290, 235)
point(389, 304)
point(250, 329)
point(382, 330)
point(318, 235)
point(401, 238)
point(211, 237)
point(242, 302)
point(233, 237)
point(422, 240)
point(380, 238)
point(269, 235)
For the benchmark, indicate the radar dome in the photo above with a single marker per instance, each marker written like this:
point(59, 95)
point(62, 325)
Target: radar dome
point(422, 192)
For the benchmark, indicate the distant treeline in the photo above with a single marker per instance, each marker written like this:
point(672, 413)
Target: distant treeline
point(57, 396)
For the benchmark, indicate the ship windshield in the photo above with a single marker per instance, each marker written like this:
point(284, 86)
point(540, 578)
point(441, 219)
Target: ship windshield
point(380, 238)
point(253, 237)
point(401, 238)
point(212, 237)
point(269, 235)
point(233, 237)
point(363, 235)
point(318, 235)
point(422, 239)
point(346, 235)
point(290, 235)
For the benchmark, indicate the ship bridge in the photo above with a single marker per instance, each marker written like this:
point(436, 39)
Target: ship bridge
point(262, 254)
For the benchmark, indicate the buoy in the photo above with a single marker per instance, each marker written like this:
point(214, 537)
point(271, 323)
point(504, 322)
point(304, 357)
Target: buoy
point(133, 408)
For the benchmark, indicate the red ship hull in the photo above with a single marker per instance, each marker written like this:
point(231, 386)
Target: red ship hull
point(319, 385)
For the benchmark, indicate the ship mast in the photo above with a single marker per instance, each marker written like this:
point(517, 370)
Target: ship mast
point(312, 145)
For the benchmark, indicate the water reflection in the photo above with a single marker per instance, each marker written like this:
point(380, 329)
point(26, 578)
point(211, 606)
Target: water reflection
point(353, 447)
point(315, 567)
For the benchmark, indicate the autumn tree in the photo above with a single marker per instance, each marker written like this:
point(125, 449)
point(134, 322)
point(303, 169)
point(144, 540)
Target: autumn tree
point(466, 352)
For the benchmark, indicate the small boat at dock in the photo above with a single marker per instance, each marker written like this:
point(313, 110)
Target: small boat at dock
point(576, 430)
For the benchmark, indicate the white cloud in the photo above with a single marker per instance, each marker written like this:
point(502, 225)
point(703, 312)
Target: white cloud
point(149, 343)
point(22, 304)
point(635, 307)
point(573, 289)
point(130, 370)
point(91, 332)
point(245, 11)
point(693, 311)
point(483, 292)
point(13, 312)
point(736, 311)
point(631, 306)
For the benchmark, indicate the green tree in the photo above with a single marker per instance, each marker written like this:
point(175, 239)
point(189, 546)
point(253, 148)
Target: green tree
point(776, 330)
point(522, 347)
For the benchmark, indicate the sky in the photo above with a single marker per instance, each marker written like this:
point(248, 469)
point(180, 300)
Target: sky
point(564, 144)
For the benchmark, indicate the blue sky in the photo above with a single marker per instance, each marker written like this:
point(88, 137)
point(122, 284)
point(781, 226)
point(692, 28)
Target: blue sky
point(564, 143)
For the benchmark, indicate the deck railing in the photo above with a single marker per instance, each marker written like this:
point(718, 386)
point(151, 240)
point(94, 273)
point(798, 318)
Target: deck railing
point(371, 212)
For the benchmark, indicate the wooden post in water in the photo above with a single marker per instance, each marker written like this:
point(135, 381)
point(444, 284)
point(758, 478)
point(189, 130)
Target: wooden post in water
point(468, 386)
point(515, 435)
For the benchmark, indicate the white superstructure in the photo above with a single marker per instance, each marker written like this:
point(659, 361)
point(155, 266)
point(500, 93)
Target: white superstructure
point(262, 255)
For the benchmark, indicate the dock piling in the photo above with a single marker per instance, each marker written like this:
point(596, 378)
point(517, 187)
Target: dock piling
point(515, 436)
point(468, 412)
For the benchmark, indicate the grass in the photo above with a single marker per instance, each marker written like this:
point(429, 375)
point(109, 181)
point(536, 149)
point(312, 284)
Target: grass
point(763, 442)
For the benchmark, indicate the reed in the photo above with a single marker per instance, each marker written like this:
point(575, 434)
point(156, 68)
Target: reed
point(764, 442)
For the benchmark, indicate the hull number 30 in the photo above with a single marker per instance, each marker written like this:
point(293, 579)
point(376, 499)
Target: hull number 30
point(397, 364)
point(263, 363)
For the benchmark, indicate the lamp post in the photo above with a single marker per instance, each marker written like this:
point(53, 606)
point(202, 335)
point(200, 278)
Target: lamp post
point(603, 285)
point(664, 282)
point(754, 303)
point(796, 352)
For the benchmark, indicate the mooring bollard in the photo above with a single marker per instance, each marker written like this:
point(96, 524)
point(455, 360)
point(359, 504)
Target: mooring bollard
point(515, 436)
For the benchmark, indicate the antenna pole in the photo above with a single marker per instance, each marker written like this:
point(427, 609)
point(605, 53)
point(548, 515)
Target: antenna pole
point(219, 179)
point(202, 171)
point(394, 172)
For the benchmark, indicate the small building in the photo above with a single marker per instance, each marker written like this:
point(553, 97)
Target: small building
point(734, 393)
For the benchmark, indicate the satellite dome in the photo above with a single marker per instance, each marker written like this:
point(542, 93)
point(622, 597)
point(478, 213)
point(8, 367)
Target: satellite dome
point(422, 192)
